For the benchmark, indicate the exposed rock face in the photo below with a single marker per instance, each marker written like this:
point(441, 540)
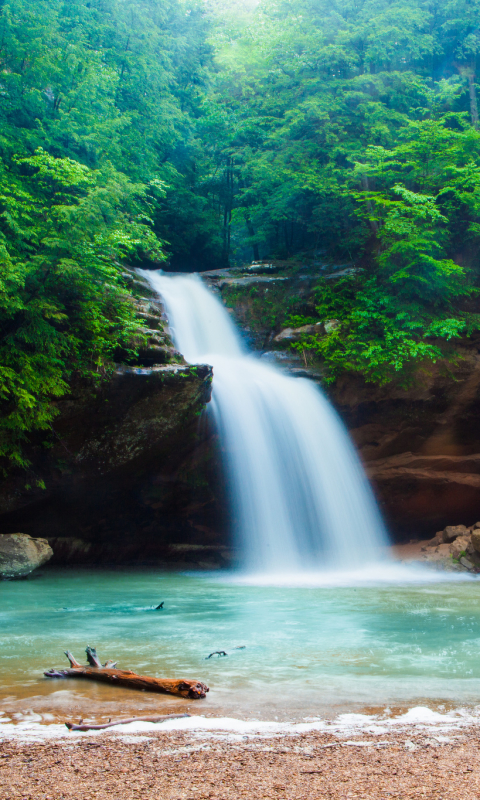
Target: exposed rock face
point(20, 554)
point(420, 445)
point(131, 471)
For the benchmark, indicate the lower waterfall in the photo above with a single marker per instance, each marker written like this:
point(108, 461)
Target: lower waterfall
point(300, 498)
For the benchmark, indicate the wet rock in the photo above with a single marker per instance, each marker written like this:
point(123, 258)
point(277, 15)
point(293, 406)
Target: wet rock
point(451, 532)
point(20, 554)
point(69, 549)
point(127, 473)
point(295, 334)
point(248, 281)
point(260, 267)
point(465, 562)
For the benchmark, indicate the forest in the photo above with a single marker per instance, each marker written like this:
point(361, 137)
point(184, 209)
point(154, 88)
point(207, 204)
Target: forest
point(198, 135)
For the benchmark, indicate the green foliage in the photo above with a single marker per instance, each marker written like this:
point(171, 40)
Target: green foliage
point(263, 309)
point(377, 336)
point(64, 307)
point(212, 133)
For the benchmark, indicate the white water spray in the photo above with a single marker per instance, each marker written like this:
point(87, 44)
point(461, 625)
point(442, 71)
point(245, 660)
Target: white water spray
point(300, 498)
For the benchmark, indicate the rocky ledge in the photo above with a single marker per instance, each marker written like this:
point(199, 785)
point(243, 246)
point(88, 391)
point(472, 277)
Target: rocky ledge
point(455, 549)
point(129, 472)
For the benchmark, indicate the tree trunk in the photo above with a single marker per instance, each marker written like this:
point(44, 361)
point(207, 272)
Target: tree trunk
point(468, 72)
point(366, 188)
point(194, 690)
point(251, 233)
point(473, 99)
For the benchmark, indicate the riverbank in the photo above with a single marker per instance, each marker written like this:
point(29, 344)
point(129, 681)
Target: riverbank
point(411, 763)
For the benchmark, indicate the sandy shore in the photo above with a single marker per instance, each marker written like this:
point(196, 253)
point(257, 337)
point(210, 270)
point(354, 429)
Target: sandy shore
point(181, 765)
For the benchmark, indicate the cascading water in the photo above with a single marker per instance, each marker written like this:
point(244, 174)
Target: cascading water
point(300, 498)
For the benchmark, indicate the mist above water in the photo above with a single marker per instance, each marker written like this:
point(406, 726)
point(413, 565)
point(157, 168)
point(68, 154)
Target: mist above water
point(300, 499)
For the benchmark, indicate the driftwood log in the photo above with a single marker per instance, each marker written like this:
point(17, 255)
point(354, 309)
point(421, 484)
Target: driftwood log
point(107, 673)
point(84, 726)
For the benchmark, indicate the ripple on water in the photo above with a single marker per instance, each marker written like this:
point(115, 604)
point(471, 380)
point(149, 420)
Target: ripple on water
point(315, 649)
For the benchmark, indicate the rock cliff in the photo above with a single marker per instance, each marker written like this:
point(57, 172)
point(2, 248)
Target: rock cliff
point(129, 473)
point(420, 446)
point(132, 472)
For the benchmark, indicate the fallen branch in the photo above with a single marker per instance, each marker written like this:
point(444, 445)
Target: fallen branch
point(194, 690)
point(83, 726)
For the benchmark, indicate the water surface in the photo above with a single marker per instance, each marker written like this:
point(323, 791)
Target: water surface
point(306, 651)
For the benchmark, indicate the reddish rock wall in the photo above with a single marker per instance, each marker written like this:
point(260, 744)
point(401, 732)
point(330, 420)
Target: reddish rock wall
point(420, 446)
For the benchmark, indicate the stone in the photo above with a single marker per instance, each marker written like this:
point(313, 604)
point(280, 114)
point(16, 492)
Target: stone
point(477, 525)
point(465, 562)
point(476, 540)
point(294, 334)
point(444, 550)
point(459, 546)
point(452, 531)
point(20, 554)
point(259, 267)
point(331, 325)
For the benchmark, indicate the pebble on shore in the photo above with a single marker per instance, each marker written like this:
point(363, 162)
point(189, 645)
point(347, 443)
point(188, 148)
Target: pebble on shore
point(181, 766)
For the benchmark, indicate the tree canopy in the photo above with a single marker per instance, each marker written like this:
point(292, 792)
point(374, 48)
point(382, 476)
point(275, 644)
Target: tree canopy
point(201, 134)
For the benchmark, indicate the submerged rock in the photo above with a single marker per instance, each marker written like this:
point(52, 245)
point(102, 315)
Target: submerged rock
point(20, 554)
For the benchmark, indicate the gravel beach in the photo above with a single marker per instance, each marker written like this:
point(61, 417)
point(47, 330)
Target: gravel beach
point(180, 766)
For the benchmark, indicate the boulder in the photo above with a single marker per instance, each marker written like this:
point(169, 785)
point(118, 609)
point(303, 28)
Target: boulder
point(295, 334)
point(452, 531)
point(331, 325)
point(460, 545)
point(20, 554)
point(476, 540)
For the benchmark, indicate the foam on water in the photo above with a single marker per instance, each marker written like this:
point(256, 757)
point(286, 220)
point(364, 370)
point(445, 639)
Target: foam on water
point(299, 495)
point(311, 651)
point(418, 718)
point(375, 574)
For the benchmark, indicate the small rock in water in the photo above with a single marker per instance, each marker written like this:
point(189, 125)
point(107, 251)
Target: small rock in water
point(465, 562)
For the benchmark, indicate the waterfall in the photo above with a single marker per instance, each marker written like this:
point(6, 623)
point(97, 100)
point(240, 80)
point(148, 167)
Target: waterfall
point(300, 498)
